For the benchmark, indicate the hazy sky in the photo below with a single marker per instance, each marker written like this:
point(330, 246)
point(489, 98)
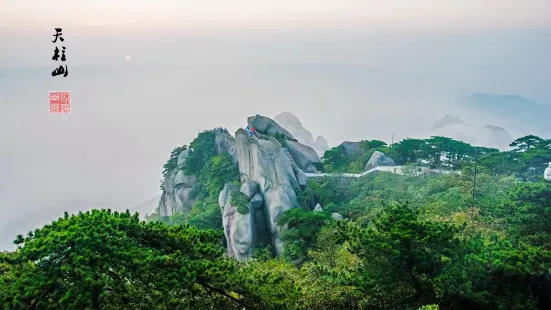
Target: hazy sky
point(385, 14)
point(332, 63)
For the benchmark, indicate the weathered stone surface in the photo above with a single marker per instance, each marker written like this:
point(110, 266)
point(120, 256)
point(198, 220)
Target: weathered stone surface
point(304, 156)
point(183, 199)
point(225, 193)
point(256, 202)
point(266, 125)
point(249, 189)
point(351, 150)
point(337, 216)
point(238, 228)
point(167, 204)
point(547, 173)
point(302, 178)
point(183, 180)
point(379, 159)
point(264, 162)
point(318, 208)
point(225, 144)
point(181, 162)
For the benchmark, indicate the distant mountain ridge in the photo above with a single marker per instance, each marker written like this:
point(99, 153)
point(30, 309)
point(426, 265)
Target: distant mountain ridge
point(447, 120)
point(523, 114)
point(290, 122)
point(486, 135)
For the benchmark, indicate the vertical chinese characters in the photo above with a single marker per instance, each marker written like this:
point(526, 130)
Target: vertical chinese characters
point(60, 70)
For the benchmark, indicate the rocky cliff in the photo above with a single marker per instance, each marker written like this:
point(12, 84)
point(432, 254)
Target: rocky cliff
point(272, 166)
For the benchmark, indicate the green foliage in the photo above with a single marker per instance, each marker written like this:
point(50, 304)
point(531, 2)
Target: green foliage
point(403, 251)
point(301, 234)
point(172, 162)
point(334, 160)
point(527, 159)
point(105, 260)
point(204, 149)
point(240, 201)
point(211, 171)
point(528, 212)
point(429, 307)
point(407, 243)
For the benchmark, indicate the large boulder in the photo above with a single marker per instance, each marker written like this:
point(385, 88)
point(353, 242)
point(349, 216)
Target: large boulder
point(351, 150)
point(318, 208)
point(304, 156)
point(249, 189)
point(265, 162)
point(266, 125)
point(379, 159)
point(337, 216)
point(238, 228)
point(256, 202)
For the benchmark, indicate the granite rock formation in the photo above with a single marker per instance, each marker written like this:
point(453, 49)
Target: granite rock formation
point(379, 159)
point(266, 163)
point(273, 169)
point(239, 228)
point(177, 186)
point(351, 150)
point(266, 125)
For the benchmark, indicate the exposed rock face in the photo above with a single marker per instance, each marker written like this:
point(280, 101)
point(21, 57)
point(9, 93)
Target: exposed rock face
point(547, 173)
point(265, 162)
point(337, 216)
point(225, 144)
point(318, 208)
point(184, 180)
point(302, 178)
point(177, 186)
point(351, 150)
point(167, 204)
point(182, 158)
point(249, 189)
point(238, 228)
point(294, 126)
point(379, 159)
point(266, 125)
point(304, 156)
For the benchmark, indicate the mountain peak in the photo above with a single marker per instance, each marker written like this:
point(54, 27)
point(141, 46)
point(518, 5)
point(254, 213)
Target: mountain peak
point(291, 122)
point(447, 120)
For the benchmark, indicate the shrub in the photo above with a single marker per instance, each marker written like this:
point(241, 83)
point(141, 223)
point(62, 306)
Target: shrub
point(240, 201)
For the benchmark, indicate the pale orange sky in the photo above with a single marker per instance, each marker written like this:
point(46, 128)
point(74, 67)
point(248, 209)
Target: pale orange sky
point(477, 14)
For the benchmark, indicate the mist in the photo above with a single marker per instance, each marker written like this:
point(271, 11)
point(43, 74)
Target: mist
point(127, 115)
